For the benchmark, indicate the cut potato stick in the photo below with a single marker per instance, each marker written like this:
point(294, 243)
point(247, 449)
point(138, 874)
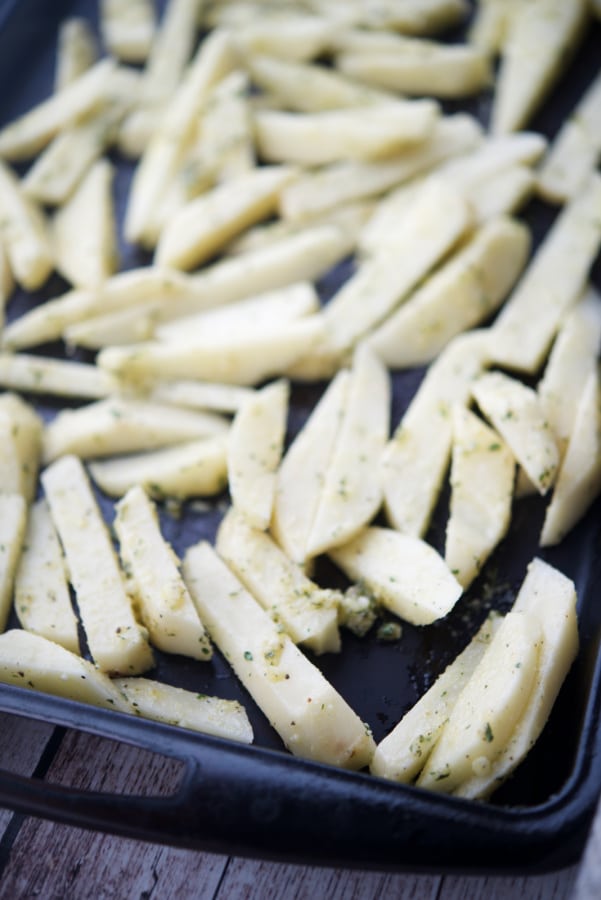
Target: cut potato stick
point(31, 661)
point(194, 469)
point(116, 642)
point(28, 134)
point(84, 230)
point(517, 414)
point(119, 425)
point(314, 193)
point(255, 444)
point(579, 480)
point(226, 143)
point(76, 51)
point(551, 284)
point(13, 521)
point(154, 580)
point(490, 24)
point(24, 233)
point(572, 359)
point(550, 597)
point(203, 226)
point(361, 133)
point(307, 612)
point(225, 398)
point(403, 573)
point(303, 470)
point(48, 375)
point(295, 37)
point(127, 326)
point(575, 151)
point(460, 294)
point(482, 477)
point(417, 456)
point(539, 39)
point(312, 719)
point(187, 709)
point(127, 28)
point(503, 194)
point(352, 493)
point(20, 446)
point(419, 17)
point(402, 754)
point(42, 601)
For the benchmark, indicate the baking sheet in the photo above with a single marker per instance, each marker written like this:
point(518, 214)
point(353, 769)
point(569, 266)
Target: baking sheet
point(380, 680)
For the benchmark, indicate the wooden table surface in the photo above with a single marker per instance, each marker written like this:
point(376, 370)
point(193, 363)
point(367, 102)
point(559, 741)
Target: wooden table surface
point(42, 859)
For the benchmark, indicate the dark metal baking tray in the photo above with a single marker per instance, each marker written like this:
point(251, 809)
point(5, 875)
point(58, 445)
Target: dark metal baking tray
point(259, 800)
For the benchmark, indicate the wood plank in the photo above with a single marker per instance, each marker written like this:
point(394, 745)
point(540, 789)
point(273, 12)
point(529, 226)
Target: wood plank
point(553, 886)
point(22, 742)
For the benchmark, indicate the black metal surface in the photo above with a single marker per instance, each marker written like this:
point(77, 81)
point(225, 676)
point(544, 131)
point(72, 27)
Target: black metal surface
point(259, 800)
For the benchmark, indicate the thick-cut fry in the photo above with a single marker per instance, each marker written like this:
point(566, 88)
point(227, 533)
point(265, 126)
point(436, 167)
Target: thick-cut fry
point(255, 446)
point(225, 398)
point(194, 469)
point(76, 51)
point(42, 601)
point(312, 719)
point(24, 233)
point(127, 326)
point(48, 375)
point(13, 520)
point(419, 17)
point(154, 580)
point(503, 194)
point(84, 230)
point(20, 446)
point(296, 37)
point(490, 24)
point(117, 643)
point(226, 143)
point(307, 612)
point(127, 28)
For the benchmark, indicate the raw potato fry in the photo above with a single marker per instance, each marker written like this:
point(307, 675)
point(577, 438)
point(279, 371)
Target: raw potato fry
point(154, 579)
point(224, 398)
point(204, 226)
point(490, 24)
point(24, 234)
point(187, 709)
point(517, 414)
point(575, 151)
point(416, 458)
point(551, 284)
point(579, 480)
point(408, 16)
point(351, 493)
point(7, 282)
point(194, 469)
point(127, 326)
point(255, 444)
point(403, 573)
point(482, 477)
point(312, 719)
point(306, 612)
point(296, 37)
point(48, 375)
point(119, 425)
point(84, 230)
point(20, 446)
point(116, 642)
point(13, 521)
point(402, 754)
point(31, 661)
point(76, 52)
point(361, 133)
point(303, 470)
point(550, 597)
point(540, 37)
point(226, 143)
point(489, 707)
point(504, 194)
point(460, 294)
point(127, 28)
point(42, 601)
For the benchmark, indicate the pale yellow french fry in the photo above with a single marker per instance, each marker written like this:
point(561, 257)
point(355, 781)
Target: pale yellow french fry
point(194, 469)
point(295, 37)
point(13, 521)
point(504, 194)
point(417, 456)
point(551, 284)
point(361, 133)
point(119, 425)
point(307, 612)
point(24, 233)
point(203, 226)
point(127, 28)
point(42, 601)
point(117, 643)
point(550, 597)
point(21, 431)
point(225, 398)
point(154, 579)
point(84, 230)
point(579, 479)
point(76, 51)
point(127, 326)
point(482, 477)
point(418, 17)
point(49, 375)
point(7, 282)
point(460, 294)
point(226, 133)
point(540, 37)
point(490, 24)
point(325, 729)
point(187, 709)
point(517, 414)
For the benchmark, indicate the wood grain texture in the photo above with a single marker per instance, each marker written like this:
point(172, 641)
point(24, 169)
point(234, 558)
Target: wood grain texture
point(22, 742)
point(588, 883)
